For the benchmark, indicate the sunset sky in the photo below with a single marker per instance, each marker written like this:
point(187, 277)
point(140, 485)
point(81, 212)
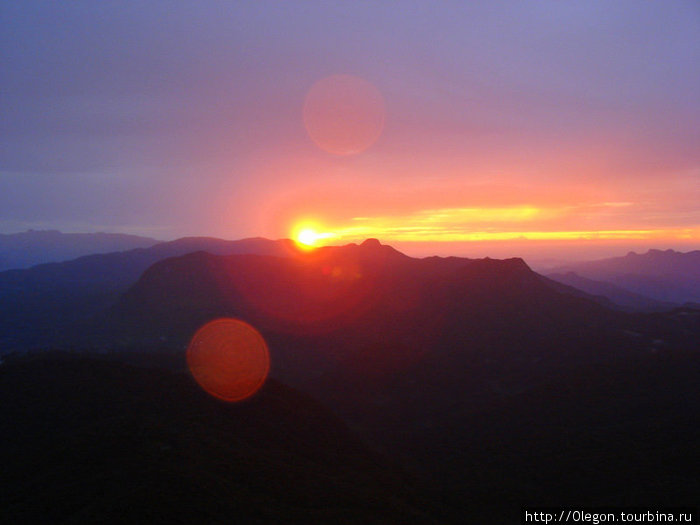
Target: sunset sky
point(467, 128)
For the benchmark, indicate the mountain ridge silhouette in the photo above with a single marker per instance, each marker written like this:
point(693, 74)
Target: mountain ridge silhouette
point(662, 275)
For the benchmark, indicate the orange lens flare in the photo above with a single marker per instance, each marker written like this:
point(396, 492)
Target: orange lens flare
point(229, 359)
point(344, 114)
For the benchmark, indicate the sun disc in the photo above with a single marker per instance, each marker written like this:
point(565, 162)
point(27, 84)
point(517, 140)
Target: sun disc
point(307, 237)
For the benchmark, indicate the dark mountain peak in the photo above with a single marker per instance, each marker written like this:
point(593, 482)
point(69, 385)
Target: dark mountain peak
point(371, 250)
point(374, 246)
point(514, 264)
point(319, 291)
point(663, 253)
point(371, 244)
point(654, 253)
point(517, 262)
point(495, 277)
point(633, 261)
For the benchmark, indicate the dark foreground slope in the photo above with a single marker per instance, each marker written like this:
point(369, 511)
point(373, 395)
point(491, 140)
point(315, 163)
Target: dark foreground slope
point(620, 433)
point(90, 441)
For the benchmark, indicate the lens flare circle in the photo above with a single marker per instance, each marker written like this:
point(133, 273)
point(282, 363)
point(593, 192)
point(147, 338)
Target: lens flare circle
point(344, 114)
point(229, 359)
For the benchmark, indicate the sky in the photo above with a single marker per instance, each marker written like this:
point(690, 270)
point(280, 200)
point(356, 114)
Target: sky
point(558, 129)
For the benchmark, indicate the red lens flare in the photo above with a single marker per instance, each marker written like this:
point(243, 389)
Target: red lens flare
point(229, 359)
point(344, 114)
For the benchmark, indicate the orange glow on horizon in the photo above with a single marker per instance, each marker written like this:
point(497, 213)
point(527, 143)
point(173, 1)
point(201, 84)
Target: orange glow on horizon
point(229, 359)
point(479, 224)
point(306, 236)
point(409, 234)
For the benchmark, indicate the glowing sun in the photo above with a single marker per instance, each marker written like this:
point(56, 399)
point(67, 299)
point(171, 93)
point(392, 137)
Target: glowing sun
point(307, 236)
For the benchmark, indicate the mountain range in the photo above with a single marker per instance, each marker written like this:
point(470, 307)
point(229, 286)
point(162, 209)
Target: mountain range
point(22, 250)
point(477, 376)
point(661, 275)
point(39, 303)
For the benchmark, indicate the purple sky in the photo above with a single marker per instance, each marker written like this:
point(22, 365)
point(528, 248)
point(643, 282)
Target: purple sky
point(177, 118)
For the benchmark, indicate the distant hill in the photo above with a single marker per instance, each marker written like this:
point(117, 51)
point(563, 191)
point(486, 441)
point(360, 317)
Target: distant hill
point(328, 289)
point(618, 296)
point(668, 275)
point(94, 441)
point(359, 312)
point(38, 304)
point(22, 250)
point(352, 290)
